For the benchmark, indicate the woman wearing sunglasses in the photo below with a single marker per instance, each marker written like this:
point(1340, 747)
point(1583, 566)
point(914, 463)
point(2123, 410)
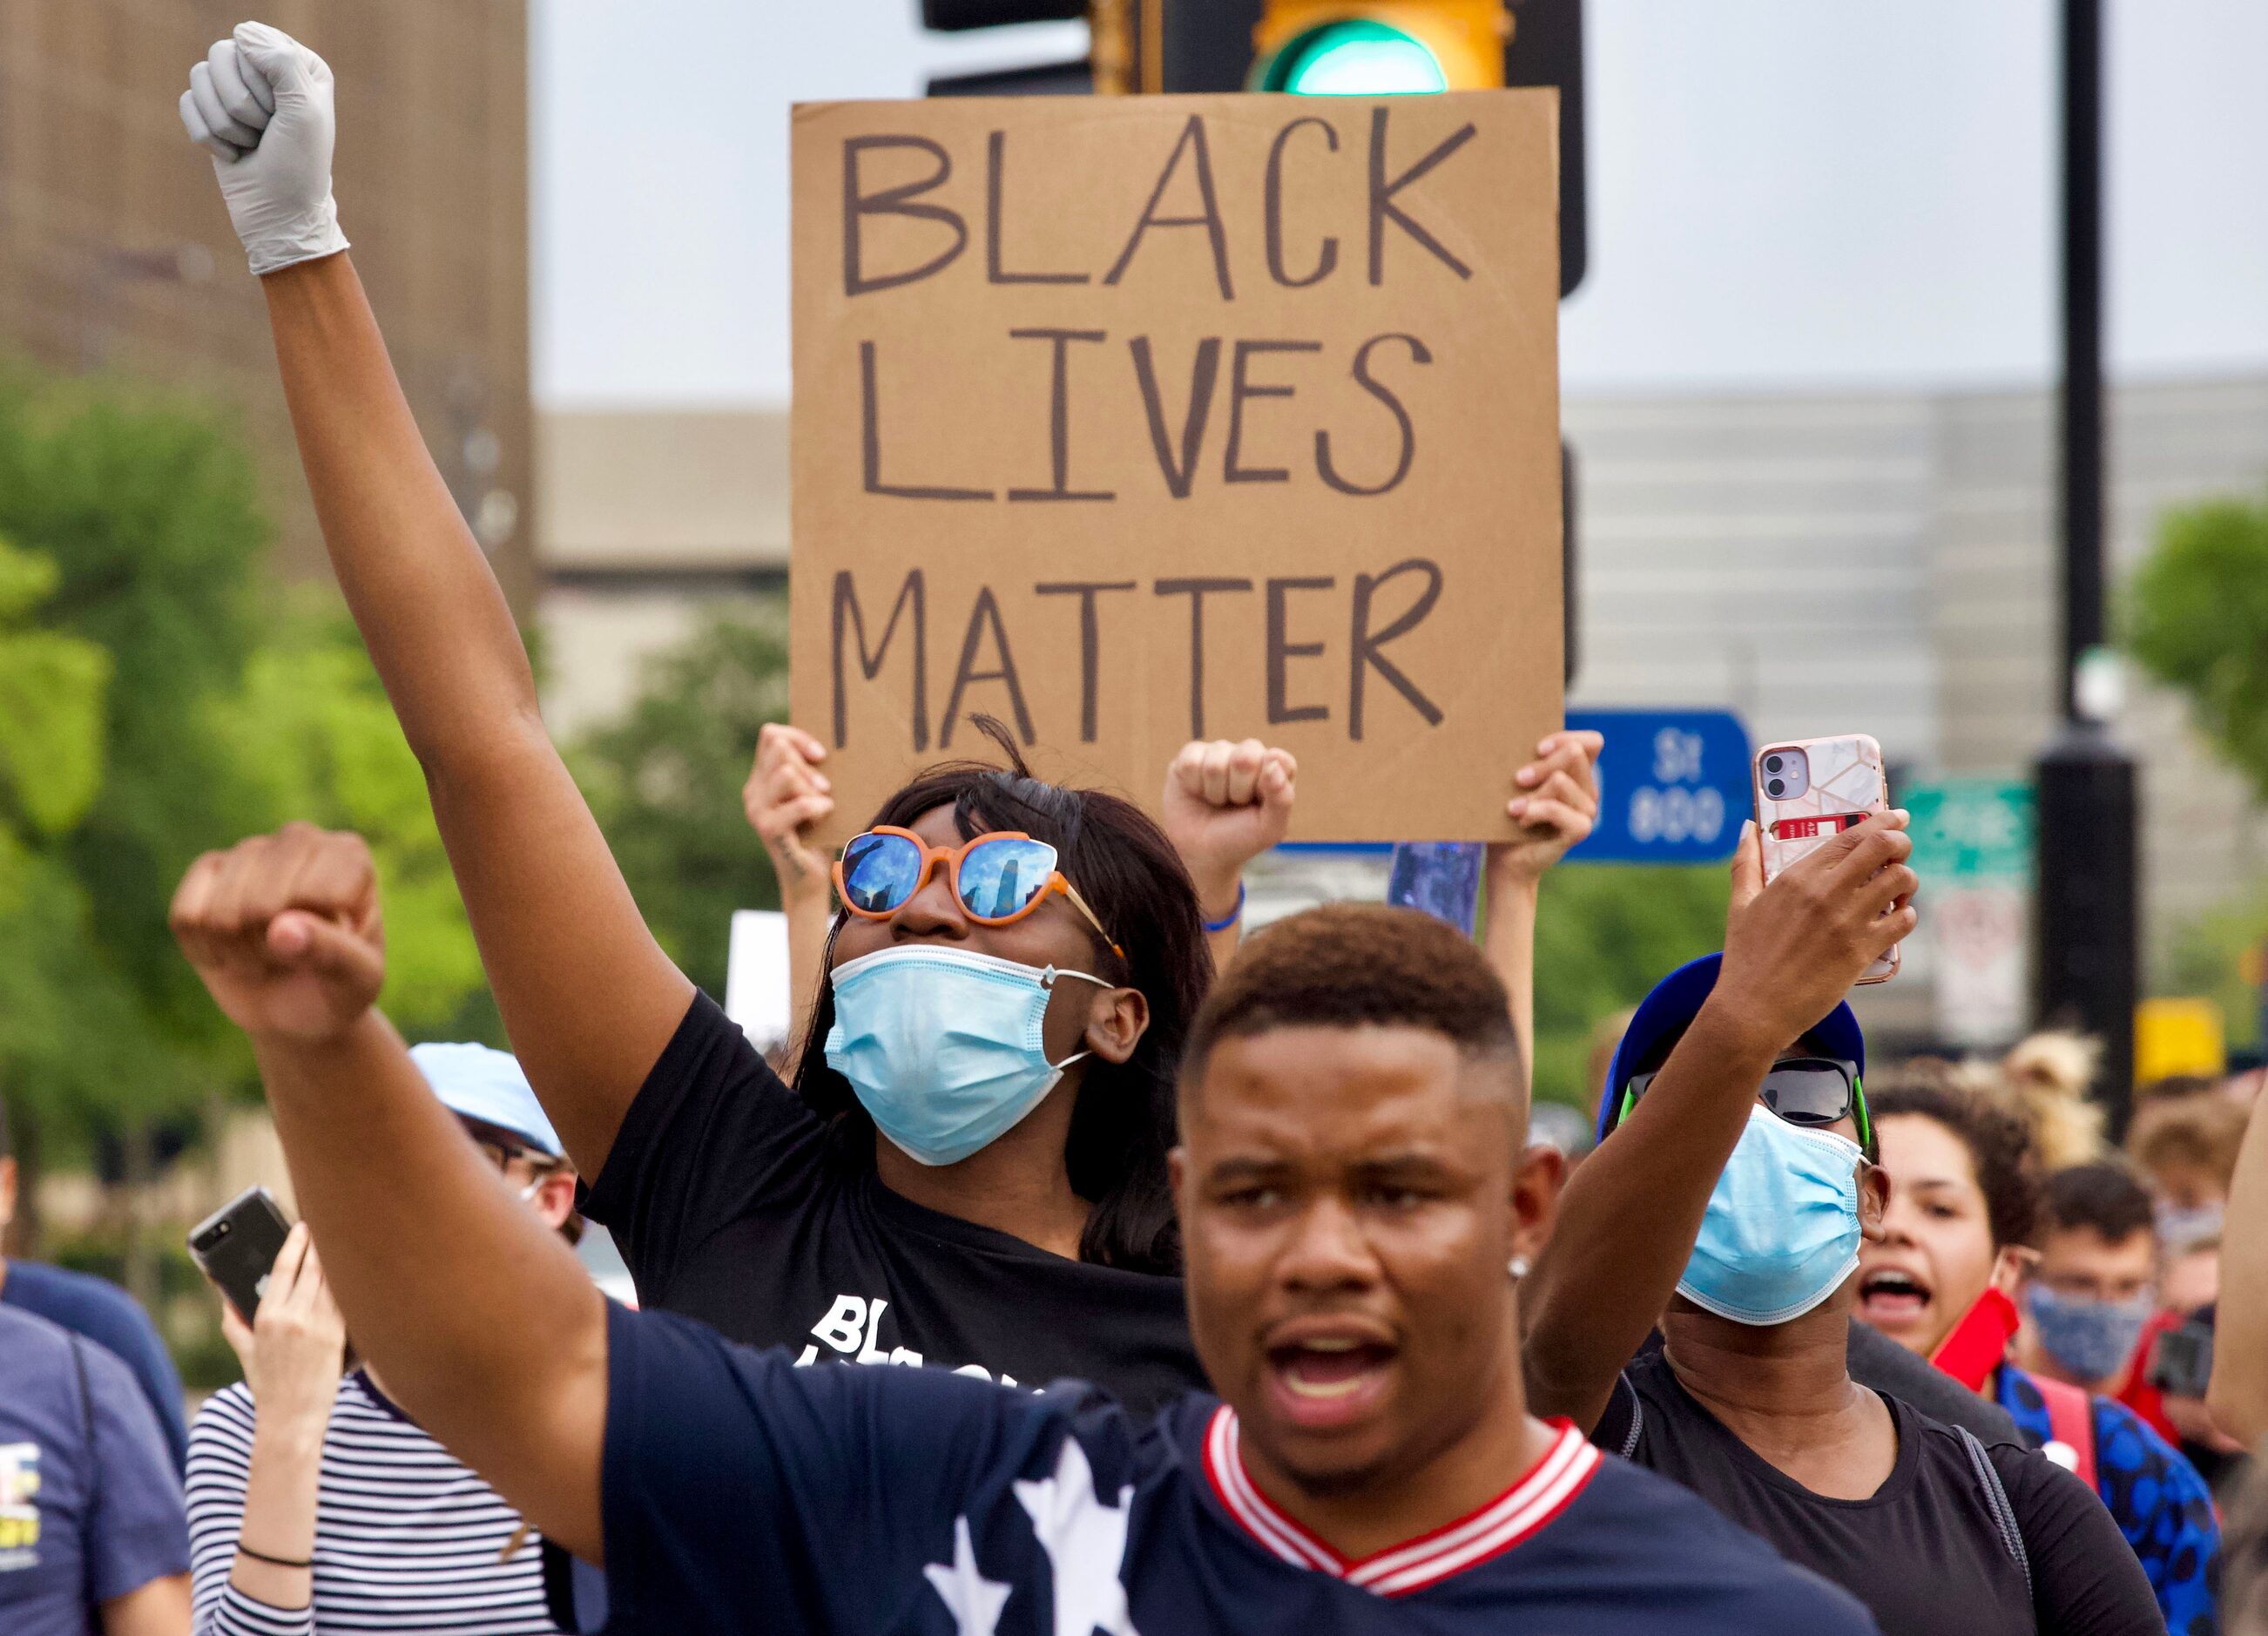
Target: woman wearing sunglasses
point(974, 1173)
point(1734, 1183)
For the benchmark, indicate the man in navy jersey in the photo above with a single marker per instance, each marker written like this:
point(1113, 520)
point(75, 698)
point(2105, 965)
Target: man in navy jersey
point(1352, 1190)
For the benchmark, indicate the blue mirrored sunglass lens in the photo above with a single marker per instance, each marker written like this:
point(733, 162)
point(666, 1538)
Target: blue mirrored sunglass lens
point(998, 878)
point(880, 872)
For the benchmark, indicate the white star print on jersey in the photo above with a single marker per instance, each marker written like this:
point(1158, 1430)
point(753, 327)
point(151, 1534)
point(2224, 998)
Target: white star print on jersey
point(976, 1601)
point(1086, 1543)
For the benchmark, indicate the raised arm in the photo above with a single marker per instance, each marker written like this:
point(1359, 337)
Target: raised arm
point(785, 797)
point(2238, 1396)
point(1558, 803)
point(1225, 802)
point(481, 1320)
point(589, 997)
point(1630, 1214)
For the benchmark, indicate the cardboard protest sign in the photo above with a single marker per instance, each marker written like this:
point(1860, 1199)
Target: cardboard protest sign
point(1129, 421)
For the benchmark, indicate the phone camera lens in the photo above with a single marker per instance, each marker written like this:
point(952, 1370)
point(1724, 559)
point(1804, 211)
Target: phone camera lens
point(223, 1229)
point(1773, 763)
point(1777, 786)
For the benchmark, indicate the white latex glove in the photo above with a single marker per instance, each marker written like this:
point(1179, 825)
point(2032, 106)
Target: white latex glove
point(260, 102)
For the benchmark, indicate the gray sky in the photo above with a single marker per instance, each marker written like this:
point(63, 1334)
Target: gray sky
point(1783, 192)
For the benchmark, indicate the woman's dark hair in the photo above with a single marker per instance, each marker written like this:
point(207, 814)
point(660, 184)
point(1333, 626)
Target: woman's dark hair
point(1999, 1145)
point(1123, 1125)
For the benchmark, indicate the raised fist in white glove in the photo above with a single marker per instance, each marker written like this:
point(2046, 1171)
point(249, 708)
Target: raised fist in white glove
point(260, 102)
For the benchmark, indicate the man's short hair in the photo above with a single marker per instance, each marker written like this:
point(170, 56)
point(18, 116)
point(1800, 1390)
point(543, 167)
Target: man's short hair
point(1355, 965)
point(2104, 1196)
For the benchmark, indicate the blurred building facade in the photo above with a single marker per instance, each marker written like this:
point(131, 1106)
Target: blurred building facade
point(648, 516)
point(116, 254)
point(1887, 562)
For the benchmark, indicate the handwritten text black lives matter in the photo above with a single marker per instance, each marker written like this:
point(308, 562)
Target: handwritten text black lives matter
point(1191, 405)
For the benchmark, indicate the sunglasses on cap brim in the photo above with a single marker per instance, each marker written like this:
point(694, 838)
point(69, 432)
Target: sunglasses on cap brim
point(997, 879)
point(1809, 1090)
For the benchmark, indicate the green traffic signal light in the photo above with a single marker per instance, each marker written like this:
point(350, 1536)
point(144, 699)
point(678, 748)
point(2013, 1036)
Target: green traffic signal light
point(1357, 58)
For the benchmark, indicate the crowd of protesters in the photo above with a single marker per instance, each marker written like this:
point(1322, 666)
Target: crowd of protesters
point(1231, 1283)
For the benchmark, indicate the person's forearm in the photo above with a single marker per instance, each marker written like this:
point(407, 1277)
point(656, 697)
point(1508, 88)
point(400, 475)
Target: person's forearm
point(1508, 940)
point(281, 1487)
point(2238, 1396)
point(587, 996)
point(1631, 1213)
point(431, 611)
point(482, 1321)
point(1221, 898)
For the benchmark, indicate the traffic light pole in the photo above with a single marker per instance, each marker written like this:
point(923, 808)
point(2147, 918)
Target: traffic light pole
point(2089, 909)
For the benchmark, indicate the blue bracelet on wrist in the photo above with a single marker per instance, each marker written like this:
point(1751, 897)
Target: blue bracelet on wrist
point(1234, 915)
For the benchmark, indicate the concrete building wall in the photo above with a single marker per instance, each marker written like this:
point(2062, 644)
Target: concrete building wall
point(117, 253)
point(1886, 561)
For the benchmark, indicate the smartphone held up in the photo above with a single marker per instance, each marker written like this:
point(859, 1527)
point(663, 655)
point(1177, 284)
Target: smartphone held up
point(1809, 790)
point(237, 1245)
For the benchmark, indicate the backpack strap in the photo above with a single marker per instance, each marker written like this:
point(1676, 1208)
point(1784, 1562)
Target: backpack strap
point(93, 1455)
point(2070, 1422)
point(1996, 1502)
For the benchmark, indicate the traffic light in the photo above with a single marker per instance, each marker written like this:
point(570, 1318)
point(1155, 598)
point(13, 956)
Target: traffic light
point(1330, 48)
point(1046, 79)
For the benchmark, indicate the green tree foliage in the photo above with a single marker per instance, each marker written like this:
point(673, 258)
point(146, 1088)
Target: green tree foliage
point(145, 720)
point(2207, 957)
point(665, 781)
point(1606, 933)
point(143, 518)
point(2198, 621)
point(311, 732)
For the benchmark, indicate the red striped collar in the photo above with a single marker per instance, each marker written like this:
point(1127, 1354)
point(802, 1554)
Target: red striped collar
point(1519, 1513)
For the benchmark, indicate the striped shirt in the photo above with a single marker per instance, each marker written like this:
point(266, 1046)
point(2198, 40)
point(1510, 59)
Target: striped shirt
point(407, 1537)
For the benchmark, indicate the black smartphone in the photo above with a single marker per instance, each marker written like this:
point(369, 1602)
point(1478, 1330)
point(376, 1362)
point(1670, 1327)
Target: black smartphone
point(236, 1247)
point(2181, 1363)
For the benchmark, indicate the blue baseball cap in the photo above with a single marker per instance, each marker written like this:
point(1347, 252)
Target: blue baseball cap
point(475, 1082)
point(1668, 1011)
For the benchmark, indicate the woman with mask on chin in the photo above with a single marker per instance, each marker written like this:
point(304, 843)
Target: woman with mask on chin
point(1736, 1164)
point(1943, 1281)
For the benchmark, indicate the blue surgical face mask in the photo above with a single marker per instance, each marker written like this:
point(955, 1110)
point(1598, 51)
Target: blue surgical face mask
point(943, 1047)
point(1781, 1233)
point(2092, 1338)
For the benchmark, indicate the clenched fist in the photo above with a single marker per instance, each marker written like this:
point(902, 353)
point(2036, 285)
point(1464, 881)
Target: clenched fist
point(260, 104)
point(285, 931)
point(1226, 803)
point(786, 795)
point(1793, 948)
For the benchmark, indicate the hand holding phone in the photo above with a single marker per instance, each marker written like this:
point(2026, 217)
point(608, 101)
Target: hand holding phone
point(1809, 790)
point(236, 1246)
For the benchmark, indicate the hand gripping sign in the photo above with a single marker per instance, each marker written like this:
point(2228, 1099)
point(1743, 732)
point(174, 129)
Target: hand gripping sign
point(1132, 420)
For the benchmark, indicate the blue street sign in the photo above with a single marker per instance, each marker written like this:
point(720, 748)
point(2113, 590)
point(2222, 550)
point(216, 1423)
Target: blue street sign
point(1673, 786)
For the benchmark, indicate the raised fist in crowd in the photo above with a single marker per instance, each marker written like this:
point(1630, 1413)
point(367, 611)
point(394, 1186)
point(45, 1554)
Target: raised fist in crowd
point(260, 104)
point(785, 795)
point(283, 930)
point(1793, 948)
point(1226, 803)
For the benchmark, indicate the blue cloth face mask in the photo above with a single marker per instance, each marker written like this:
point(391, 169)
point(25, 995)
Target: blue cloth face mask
point(943, 1046)
point(2092, 1338)
point(1781, 1233)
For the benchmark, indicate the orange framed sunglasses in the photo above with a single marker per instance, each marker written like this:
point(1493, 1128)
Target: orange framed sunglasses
point(997, 879)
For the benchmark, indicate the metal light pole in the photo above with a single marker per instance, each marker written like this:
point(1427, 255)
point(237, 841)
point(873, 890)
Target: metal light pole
point(2090, 913)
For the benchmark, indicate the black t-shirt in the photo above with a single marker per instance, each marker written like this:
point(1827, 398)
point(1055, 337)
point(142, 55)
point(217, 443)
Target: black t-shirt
point(1878, 1362)
point(732, 1204)
point(1925, 1553)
